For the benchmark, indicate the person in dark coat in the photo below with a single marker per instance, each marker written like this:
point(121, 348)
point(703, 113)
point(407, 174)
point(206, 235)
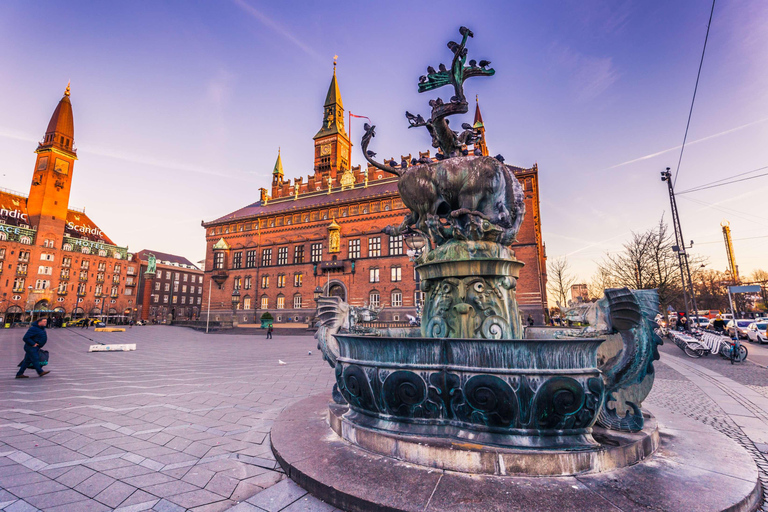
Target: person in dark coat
point(269, 332)
point(34, 340)
point(530, 320)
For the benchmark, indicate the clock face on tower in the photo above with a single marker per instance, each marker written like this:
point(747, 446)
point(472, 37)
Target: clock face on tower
point(325, 149)
point(61, 166)
point(42, 164)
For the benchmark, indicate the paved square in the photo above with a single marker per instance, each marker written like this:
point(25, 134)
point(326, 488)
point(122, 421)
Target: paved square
point(182, 423)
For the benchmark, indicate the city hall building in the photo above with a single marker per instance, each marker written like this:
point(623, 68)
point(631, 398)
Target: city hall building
point(54, 260)
point(324, 237)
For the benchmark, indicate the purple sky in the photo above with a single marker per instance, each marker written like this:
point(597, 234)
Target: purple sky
point(180, 106)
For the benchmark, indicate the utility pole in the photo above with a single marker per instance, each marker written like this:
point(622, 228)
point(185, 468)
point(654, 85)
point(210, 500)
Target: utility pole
point(680, 249)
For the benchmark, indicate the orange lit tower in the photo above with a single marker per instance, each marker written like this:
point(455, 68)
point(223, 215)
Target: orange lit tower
point(51, 181)
point(479, 126)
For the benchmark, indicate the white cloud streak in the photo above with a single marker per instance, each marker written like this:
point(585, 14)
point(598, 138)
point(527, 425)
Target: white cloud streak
point(677, 148)
point(277, 28)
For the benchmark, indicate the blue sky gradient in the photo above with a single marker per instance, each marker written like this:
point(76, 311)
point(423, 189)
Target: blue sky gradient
point(180, 106)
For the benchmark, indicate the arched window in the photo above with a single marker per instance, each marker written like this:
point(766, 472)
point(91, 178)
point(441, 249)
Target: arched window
point(397, 298)
point(247, 302)
point(3, 236)
point(281, 302)
point(67, 247)
point(86, 250)
point(102, 252)
point(374, 299)
point(297, 301)
point(25, 240)
point(264, 302)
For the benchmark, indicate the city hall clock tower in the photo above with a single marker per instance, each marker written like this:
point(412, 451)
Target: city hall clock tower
point(332, 147)
point(48, 200)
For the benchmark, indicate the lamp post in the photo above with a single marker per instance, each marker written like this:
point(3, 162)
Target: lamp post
point(416, 244)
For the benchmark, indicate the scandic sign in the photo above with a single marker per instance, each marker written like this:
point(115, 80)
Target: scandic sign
point(13, 214)
point(84, 229)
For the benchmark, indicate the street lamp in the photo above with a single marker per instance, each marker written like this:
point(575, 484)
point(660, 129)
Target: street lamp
point(318, 293)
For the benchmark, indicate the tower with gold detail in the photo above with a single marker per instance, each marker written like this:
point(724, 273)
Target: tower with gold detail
point(480, 127)
point(52, 179)
point(277, 175)
point(332, 147)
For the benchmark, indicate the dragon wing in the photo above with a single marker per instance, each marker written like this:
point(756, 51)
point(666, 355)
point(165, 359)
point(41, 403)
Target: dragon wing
point(334, 316)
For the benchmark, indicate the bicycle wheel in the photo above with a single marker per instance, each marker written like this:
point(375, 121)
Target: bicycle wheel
point(742, 355)
point(690, 352)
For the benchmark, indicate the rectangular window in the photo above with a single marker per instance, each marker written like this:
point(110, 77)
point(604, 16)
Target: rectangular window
point(175, 276)
point(354, 249)
point(199, 300)
point(2, 253)
point(265, 302)
point(316, 253)
point(45, 270)
point(165, 299)
point(374, 247)
point(42, 284)
point(297, 302)
point(373, 275)
point(167, 287)
point(23, 255)
point(396, 245)
point(184, 289)
point(18, 284)
point(183, 300)
point(176, 287)
point(102, 266)
point(281, 302)
point(175, 298)
point(46, 257)
point(250, 259)
point(266, 257)
point(218, 261)
point(186, 276)
point(85, 264)
point(129, 291)
point(282, 256)
point(246, 285)
point(418, 298)
point(297, 280)
point(155, 298)
point(237, 283)
point(66, 262)
point(265, 282)
point(397, 299)
point(159, 274)
point(117, 268)
point(396, 274)
point(157, 286)
point(298, 254)
point(281, 281)
point(200, 289)
point(237, 261)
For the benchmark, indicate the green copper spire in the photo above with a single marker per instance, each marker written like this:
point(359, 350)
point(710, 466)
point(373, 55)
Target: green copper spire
point(278, 165)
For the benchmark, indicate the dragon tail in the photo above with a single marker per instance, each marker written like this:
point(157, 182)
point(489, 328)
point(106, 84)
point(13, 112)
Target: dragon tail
point(631, 422)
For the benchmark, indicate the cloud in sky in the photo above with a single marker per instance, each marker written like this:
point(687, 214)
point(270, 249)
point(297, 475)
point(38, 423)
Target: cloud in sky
point(128, 157)
point(689, 143)
point(276, 27)
point(588, 76)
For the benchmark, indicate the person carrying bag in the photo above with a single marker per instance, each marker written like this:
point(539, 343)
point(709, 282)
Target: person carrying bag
point(34, 340)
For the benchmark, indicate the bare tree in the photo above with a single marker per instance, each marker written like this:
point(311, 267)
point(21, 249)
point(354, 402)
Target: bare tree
point(559, 280)
point(600, 282)
point(647, 261)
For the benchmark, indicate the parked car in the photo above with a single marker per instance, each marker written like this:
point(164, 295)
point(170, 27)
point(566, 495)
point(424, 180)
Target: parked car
point(700, 322)
point(756, 332)
point(739, 326)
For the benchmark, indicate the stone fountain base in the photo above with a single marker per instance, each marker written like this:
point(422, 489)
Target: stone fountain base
point(694, 468)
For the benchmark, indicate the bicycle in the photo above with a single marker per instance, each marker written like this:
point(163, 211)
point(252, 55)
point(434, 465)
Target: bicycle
point(734, 351)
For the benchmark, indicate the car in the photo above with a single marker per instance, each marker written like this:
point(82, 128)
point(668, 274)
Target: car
point(756, 332)
point(700, 322)
point(739, 326)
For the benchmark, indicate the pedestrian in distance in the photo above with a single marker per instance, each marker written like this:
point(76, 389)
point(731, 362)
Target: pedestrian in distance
point(85, 323)
point(269, 332)
point(530, 320)
point(34, 340)
point(719, 324)
point(683, 323)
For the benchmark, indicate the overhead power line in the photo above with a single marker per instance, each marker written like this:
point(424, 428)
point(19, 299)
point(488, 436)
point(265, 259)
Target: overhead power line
point(721, 182)
point(696, 88)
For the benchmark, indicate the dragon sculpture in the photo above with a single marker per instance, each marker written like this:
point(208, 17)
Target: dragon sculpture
point(630, 314)
point(461, 196)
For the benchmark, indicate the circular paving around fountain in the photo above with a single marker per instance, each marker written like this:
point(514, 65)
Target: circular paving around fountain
point(694, 468)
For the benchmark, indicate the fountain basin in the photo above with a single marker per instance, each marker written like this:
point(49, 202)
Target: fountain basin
point(542, 394)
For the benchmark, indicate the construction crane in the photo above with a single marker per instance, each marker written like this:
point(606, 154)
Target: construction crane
point(729, 251)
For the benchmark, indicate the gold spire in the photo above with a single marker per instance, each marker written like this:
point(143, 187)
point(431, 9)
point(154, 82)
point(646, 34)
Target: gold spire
point(333, 109)
point(479, 126)
point(66, 91)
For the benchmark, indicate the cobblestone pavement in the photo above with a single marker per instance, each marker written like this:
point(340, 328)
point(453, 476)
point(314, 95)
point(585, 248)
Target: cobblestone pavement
point(182, 423)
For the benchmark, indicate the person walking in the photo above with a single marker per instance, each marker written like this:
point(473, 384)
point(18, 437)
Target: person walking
point(530, 320)
point(34, 340)
point(269, 332)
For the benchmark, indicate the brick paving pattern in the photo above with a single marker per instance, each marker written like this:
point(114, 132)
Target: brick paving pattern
point(183, 422)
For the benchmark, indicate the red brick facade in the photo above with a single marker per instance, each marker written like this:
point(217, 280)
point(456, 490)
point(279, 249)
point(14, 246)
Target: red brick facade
point(324, 236)
point(53, 259)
